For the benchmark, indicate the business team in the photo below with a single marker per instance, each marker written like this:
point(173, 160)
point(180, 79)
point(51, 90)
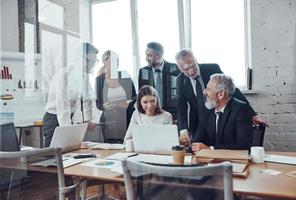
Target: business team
point(192, 94)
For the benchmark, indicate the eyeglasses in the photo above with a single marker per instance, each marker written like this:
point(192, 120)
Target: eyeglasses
point(188, 66)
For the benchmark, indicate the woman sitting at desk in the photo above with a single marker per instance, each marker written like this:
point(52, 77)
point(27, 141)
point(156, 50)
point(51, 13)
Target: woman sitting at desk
point(148, 110)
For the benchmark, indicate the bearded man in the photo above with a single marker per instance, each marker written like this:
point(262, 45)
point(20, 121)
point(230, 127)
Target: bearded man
point(229, 122)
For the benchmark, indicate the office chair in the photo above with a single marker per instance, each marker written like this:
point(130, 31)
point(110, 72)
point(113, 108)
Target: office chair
point(39, 182)
point(258, 135)
point(148, 181)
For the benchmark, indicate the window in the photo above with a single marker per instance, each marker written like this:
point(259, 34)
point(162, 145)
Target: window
point(158, 21)
point(218, 35)
point(214, 29)
point(112, 31)
point(46, 16)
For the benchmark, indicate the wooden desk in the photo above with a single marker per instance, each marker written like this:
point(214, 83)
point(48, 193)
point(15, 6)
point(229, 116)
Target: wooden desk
point(264, 185)
point(257, 183)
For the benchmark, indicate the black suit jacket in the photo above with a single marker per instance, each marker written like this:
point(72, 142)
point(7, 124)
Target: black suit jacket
point(170, 72)
point(186, 95)
point(236, 131)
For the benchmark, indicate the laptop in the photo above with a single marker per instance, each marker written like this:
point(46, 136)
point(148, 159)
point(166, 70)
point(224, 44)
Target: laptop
point(156, 139)
point(68, 137)
point(8, 138)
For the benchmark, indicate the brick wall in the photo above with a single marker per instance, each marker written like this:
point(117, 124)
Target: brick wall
point(274, 52)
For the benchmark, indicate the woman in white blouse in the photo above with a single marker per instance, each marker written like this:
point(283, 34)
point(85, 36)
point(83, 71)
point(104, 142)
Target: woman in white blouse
point(148, 110)
point(116, 96)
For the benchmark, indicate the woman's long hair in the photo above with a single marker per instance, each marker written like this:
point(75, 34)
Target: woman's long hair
point(148, 90)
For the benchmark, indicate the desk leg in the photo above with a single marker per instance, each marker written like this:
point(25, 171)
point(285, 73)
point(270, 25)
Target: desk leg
point(83, 189)
point(41, 136)
point(20, 136)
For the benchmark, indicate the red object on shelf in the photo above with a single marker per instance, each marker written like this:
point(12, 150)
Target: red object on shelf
point(7, 73)
point(4, 73)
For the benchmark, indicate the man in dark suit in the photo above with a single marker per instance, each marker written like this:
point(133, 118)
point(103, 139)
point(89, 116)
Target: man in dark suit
point(229, 122)
point(161, 75)
point(190, 84)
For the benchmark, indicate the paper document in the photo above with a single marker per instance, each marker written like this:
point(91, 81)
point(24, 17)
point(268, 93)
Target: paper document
point(238, 167)
point(68, 160)
point(121, 155)
point(280, 159)
point(223, 154)
point(108, 146)
point(52, 162)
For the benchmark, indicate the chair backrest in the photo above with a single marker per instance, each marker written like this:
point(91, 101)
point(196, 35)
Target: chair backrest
point(8, 138)
point(258, 135)
point(147, 181)
point(40, 182)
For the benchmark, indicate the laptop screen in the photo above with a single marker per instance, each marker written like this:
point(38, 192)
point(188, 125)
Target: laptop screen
point(8, 138)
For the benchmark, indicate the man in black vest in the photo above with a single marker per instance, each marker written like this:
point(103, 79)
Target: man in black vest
point(161, 75)
point(190, 85)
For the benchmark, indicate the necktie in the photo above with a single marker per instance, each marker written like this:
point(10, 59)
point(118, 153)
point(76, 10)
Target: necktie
point(218, 121)
point(158, 85)
point(218, 125)
point(199, 91)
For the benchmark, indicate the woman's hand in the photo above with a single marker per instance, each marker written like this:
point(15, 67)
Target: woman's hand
point(108, 106)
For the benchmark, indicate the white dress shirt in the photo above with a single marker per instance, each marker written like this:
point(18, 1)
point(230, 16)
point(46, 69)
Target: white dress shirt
point(65, 88)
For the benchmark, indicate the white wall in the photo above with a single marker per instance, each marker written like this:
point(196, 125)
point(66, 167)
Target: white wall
point(9, 26)
point(274, 53)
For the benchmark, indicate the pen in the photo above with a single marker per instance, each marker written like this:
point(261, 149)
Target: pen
point(132, 155)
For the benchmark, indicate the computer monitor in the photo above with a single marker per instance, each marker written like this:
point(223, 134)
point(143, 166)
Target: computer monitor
point(8, 138)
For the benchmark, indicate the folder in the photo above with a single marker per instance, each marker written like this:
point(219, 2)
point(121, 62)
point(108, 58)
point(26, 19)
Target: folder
point(223, 154)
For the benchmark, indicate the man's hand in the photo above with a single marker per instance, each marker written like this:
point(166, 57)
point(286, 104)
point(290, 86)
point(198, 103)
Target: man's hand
point(257, 120)
point(184, 138)
point(196, 146)
point(91, 126)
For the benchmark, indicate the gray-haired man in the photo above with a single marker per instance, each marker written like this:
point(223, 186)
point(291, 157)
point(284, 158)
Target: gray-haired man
point(229, 123)
point(190, 84)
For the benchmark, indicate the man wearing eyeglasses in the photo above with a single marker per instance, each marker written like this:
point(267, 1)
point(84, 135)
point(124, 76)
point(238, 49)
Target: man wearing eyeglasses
point(68, 85)
point(190, 85)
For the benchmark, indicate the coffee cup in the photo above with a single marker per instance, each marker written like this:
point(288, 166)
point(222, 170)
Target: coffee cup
point(257, 154)
point(129, 145)
point(178, 153)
